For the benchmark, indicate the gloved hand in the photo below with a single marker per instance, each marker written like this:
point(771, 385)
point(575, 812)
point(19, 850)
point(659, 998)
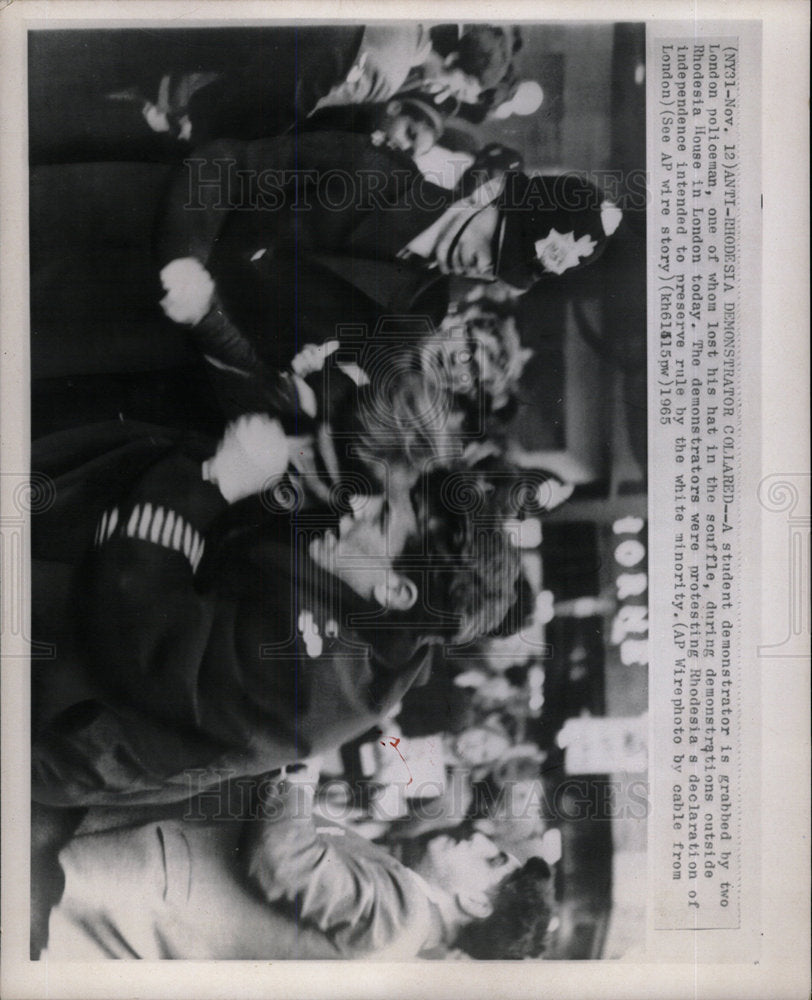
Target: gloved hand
point(252, 455)
point(189, 290)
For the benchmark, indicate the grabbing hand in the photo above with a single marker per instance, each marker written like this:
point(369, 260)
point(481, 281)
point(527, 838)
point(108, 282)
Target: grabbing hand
point(251, 456)
point(189, 290)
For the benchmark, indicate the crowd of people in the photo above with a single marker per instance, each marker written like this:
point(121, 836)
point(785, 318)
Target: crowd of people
point(227, 614)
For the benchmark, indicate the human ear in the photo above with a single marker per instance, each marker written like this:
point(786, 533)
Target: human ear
point(476, 905)
point(394, 108)
point(399, 593)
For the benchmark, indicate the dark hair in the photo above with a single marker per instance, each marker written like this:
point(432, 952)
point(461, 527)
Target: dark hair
point(423, 106)
point(517, 926)
point(420, 113)
point(484, 51)
point(473, 566)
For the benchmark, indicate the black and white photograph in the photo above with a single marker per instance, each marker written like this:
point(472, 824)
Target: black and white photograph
point(338, 390)
point(384, 533)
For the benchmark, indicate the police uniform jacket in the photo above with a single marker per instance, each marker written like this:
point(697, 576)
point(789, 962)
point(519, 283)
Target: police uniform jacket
point(304, 236)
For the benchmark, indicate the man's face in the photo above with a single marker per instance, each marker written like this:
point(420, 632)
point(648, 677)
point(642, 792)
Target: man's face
point(450, 81)
point(467, 352)
point(468, 250)
point(371, 538)
point(455, 359)
point(470, 866)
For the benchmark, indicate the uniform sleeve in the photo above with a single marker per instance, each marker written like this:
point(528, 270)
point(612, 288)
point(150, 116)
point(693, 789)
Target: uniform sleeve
point(197, 202)
point(356, 893)
point(217, 179)
point(146, 624)
point(226, 176)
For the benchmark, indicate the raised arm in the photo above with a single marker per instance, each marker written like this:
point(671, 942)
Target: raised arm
point(148, 624)
point(355, 892)
point(227, 175)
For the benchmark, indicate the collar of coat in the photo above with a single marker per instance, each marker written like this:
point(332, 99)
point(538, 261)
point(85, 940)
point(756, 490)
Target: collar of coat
point(394, 284)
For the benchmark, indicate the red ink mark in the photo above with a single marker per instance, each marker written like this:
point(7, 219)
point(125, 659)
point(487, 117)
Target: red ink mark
point(394, 744)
